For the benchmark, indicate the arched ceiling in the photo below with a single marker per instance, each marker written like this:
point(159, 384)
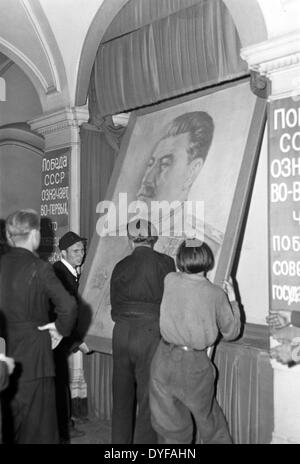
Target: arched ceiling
point(3, 59)
point(55, 41)
point(27, 40)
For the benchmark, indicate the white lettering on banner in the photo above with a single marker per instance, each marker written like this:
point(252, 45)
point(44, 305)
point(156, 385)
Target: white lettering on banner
point(286, 268)
point(277, 113)
point(289, 118)
point(288, 293)
point(55, 163)
point(284, 203)
point(54, 209)
point(296, 217)
point(52, 179)
point(59, 193)
point(286, 243)
point(288, 142)
point(285, 167)
point(281, 192)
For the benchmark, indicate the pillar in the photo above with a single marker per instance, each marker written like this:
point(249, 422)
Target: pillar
point(61, 131)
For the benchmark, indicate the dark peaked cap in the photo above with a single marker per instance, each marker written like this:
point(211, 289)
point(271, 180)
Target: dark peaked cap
point(69, 239)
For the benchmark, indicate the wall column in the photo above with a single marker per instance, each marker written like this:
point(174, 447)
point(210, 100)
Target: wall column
point(61, 131)
point(279, 60)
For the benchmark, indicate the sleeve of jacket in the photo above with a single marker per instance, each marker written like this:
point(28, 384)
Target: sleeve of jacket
point(295, 318)
point(65, 306)
point(228, 317)
point(113, 291)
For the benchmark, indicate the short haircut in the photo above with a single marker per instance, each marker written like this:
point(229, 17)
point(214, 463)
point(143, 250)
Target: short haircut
point(196, 259)
point(142, 231)
point(21, 223)
point(200, 126)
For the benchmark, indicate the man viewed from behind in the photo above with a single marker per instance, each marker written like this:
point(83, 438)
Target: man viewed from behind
point(136, 291)
point(27, 283)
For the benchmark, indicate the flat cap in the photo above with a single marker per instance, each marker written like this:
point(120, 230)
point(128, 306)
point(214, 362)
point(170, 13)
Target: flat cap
point(68, 240)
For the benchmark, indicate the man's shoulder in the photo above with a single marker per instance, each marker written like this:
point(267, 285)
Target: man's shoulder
point(42, 264)
point(120, 264)
point(63, 273)
point(164, 257)
point(60, 268)
point(59, 265)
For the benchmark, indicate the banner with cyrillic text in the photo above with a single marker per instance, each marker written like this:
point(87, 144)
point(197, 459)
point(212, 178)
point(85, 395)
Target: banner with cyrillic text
point(55, 198)
point(284, 203)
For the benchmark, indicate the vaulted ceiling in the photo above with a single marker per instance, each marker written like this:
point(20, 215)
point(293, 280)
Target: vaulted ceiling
point(55, 42)
point(27, 39)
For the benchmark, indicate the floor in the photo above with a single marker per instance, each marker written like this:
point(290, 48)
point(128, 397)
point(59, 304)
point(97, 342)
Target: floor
point(97, 432)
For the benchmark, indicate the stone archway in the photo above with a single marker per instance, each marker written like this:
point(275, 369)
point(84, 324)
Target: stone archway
point(21, 154)
point(33, 47)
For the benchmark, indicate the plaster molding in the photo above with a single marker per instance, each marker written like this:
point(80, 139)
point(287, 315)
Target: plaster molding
point(60, 120)
point(55, 86)
point(273, 55)
point(18, 57)
point(11, 135)
point(5, 66)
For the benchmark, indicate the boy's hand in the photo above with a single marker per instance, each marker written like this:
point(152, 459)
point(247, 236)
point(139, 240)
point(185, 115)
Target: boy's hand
point(228, 288)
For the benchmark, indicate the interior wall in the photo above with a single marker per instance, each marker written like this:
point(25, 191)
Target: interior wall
point(20, 178)
point(252, 271)
point(22, 102)
point(70, 26)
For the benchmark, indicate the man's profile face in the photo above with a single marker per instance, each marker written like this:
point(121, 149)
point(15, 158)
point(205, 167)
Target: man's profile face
point(169, 172)
point(74, 254)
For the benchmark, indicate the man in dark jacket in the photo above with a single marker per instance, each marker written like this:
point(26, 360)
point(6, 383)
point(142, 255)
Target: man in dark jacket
point(136, 291)
point(67, 270)
point(26, 285)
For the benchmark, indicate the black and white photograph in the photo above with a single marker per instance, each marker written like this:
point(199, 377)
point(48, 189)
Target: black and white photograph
point(149, 225)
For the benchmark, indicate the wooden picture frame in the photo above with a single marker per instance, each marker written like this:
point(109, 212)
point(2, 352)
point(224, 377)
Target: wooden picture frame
point(223, 185)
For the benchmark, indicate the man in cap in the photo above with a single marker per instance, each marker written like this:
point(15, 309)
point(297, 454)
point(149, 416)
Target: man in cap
point(68, 271)
point(136, 290)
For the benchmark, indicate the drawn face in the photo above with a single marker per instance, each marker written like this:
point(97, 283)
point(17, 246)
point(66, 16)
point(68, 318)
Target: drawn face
point(169, 173)
point(74, 254)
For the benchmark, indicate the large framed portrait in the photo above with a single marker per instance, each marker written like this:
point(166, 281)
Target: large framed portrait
point(193, 158)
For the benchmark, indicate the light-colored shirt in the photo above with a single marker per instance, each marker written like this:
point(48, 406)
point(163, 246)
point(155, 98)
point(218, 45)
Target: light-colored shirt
point(70, 267)
point(193, 310)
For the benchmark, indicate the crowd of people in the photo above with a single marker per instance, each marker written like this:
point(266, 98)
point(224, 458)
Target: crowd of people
point(166, 317)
